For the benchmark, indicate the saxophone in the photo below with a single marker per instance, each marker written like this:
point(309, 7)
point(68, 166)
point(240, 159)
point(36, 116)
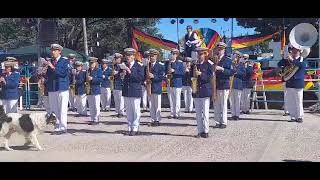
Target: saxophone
point(148, 80)
point(87, 84)
point(194, 79)
point(235, 64)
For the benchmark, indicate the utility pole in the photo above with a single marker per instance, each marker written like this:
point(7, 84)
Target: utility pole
point(85, 40)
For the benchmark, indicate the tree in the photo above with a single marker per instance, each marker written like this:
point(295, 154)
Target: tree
point(270, 25)
point(112, 33)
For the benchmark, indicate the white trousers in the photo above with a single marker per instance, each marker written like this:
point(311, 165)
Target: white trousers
point(133, 112)
point(245, 100)
point(118, 102)
point(221, 107)
point(155, 107)
point(235, 102)
point(81, 104)
point(59, 105)
point(71, 100)
point(175, 96)
point(295, 102)
point(285, 99)
point(188, 100)
point(202, 106)
point(105, 98)
point(10, 106)
point(46, 103)
point(144, 97)
point(94, 107)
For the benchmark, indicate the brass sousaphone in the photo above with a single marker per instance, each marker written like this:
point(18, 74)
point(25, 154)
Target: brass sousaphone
point(303, 36)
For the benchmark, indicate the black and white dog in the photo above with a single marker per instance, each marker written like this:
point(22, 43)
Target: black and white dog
point(28, 125)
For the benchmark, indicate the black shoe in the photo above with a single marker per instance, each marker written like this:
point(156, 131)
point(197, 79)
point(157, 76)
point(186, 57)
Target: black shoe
point(198, 136)
point(286, 114)
point(299, 120)
point(93, 123)
point(204, 135)
point(176, 117)
point(170, 117)
point(222, 126)
point(153, 124)
point(237, 118)
point(248, 112)
point(234, 117)
point(217, 126)
point(157, 123)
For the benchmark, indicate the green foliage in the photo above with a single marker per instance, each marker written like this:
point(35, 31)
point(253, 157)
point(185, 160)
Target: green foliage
point(112, 33)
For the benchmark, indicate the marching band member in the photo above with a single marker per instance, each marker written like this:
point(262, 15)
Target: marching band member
point(81, 97)
point(223, 73)
point(237, 85)
point(177, 72)
point(72, 59)
point(133, 76)
point(118, 84)
point(247, 85)
point(191, 40)
point(105, 85)
point(95, 79)
point(144, 97)
point(156, 75)
point(295, 84)
point(186, 86)
point(9, 82)
point(58, 86)
point(204, 92)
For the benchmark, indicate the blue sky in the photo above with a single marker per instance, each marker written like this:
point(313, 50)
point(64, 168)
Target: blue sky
point(169, 30)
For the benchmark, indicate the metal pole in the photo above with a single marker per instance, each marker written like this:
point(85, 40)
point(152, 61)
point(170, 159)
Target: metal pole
point(318, 65)
point(178, 33)
point(231, 34)
point(85, 37)
point(38, 40)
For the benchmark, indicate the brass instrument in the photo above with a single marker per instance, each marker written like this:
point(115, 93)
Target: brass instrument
point(148, 80)
point(73, 84)
point(215, 60)
point(303, 36)
point(87, 84)
point(235, 64)
point(111, 78)
point(169, 75)
point(194, 79)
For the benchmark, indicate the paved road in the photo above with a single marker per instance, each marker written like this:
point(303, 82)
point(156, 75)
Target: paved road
point(260, 136)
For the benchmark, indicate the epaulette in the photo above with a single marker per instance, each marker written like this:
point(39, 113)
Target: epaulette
point(83, 70)
point(161, 63)
point(140, 63)
point(180, 60)
point(210, 62)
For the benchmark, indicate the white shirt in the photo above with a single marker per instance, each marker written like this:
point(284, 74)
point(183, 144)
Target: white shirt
point(58, 58)
point(131, 64)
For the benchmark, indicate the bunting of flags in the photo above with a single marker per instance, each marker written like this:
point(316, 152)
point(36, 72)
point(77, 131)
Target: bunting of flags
point(247, 41)
point(209, 38)
point(154, 41)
